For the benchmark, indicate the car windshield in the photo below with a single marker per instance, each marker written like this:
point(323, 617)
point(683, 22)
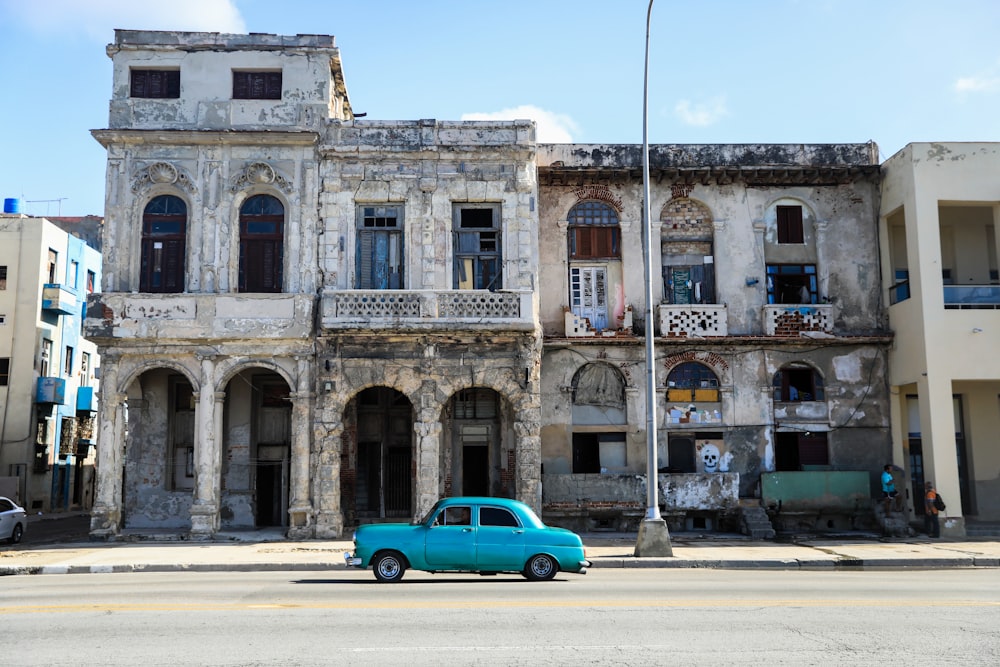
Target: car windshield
point(427, 517)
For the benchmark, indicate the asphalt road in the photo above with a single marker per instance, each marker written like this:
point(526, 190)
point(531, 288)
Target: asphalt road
point(609, 617)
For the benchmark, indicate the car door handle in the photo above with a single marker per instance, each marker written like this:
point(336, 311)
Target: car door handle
point(519, 532)
point(466, 530)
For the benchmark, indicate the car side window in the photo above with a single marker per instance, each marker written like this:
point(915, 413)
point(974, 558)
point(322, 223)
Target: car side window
point(458, 516)
point(5, 505)
point(497, 516)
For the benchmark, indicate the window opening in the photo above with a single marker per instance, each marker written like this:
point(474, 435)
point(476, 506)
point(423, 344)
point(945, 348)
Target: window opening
point(790, 224)
point(798, 384)
point(257, 85)
point(155, 83)
point(477, 248)
point(43, 369)
point(791, 283)
point(593, 231)
point(262, 233)
point(380, 247)
point(4, 371)
point(68, 362)
point(164, 234)
point(53, 262)
point(3, 277)
point(692, 381)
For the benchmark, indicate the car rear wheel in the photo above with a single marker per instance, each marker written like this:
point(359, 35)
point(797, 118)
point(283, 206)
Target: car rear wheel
point(389, 567)
point(540, 567)
point(15, 535)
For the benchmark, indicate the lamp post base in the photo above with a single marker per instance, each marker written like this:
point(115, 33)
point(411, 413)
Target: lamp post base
point(654, 539)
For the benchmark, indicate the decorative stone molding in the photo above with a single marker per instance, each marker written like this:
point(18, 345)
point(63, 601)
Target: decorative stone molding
point(160, 173)
point(260, 173)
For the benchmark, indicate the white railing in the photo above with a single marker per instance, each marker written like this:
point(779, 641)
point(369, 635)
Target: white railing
point(424, 307)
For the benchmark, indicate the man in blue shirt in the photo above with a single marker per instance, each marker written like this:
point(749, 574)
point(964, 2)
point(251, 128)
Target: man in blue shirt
point(889, 493)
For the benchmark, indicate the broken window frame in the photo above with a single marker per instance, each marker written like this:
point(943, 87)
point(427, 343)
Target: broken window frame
point(785, 283)
point(478, 249)
point(798, 383)
point(692, 381)
point(380, 252)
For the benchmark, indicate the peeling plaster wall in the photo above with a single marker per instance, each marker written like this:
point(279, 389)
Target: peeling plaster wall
point(309, 90)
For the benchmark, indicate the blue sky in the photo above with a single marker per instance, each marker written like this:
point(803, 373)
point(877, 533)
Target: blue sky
point(721, 71)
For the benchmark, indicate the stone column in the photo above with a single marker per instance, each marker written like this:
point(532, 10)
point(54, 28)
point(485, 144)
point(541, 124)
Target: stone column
point(208, 459)
point(326, 490)
point(428, 454)
point(300, 507)
point(106, 514)
point(529, 464)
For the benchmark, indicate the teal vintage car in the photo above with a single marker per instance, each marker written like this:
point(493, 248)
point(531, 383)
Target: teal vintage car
point(469, 534)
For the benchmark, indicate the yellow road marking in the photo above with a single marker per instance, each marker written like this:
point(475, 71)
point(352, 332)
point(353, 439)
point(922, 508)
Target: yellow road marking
point(355, 605)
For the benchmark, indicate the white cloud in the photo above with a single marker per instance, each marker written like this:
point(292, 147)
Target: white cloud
point(551, 127)
point(701, 114)
point(98, 18)
point(977, 84)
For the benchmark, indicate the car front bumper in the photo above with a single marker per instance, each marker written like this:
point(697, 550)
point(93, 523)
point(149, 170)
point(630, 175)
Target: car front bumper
point(351, 560)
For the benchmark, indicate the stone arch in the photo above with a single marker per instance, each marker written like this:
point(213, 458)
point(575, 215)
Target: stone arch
point(230, 367)
point(687, 242)
point(129, 373)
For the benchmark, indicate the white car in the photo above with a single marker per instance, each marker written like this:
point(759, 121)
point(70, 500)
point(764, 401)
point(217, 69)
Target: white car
point(13, 520)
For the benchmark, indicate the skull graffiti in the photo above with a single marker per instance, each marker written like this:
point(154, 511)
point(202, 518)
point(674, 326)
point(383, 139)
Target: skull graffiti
point(710, 457)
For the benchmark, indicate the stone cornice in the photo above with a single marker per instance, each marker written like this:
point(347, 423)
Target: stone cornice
point(108, 138)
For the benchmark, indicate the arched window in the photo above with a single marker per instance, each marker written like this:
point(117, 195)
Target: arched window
point(599, 400)
point(262, 236)
point(798, 382)
point(164, 234)
point(692, 381)
point(593, 231)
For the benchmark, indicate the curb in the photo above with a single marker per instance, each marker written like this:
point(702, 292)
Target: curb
point(846, 564)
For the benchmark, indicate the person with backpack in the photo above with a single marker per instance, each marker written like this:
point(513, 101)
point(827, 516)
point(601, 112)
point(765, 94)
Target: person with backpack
point(933, 503)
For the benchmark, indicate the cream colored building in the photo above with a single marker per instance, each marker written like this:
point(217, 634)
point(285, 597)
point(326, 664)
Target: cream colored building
point(939, 212)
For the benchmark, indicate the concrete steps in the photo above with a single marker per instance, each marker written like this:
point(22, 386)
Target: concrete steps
point(755, 523)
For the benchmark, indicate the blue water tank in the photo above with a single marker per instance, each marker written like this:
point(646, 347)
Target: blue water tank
point(11, 205)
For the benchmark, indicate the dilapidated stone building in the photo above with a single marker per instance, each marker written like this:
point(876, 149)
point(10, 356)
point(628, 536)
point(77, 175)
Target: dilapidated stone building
point(311, 320)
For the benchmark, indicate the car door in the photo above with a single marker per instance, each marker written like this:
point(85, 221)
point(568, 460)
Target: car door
point(6, 518)
point(499, 540)
point(450, 542)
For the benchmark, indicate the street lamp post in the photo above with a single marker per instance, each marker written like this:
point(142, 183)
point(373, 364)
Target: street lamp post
point(654, 539)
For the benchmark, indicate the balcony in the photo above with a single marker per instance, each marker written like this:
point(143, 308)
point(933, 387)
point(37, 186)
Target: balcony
point(692, 320)
point(59, 298)
point(51, 390)
point(86, 399)
point(116, 316)
point(796, 319)
point(972, 297)
point(426, 310)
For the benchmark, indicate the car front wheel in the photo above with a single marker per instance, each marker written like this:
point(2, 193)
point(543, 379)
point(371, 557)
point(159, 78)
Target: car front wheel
point(389, 567)
point(540, 568)
point(15, 535)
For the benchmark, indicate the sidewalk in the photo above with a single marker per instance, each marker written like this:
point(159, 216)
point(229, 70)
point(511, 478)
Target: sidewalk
point(263, 550)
